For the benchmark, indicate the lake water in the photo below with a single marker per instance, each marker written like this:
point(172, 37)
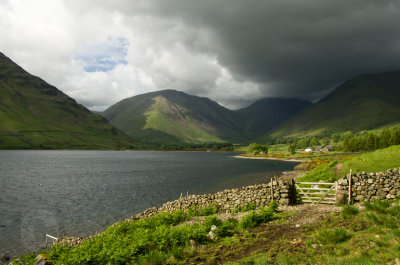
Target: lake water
point(81, 192)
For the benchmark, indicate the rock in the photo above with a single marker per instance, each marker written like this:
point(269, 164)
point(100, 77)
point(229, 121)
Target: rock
point(211, 235)
point(5, 258)
point(214, 228)
point(359, 198)
point(296, 242)
point(298, 225)
point(284, 201)
point(370, 181)
point(341, 196)
point(343, 182)
point(390, 196)
point(42, 259)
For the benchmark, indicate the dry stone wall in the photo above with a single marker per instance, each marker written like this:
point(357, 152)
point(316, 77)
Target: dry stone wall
point(369, 186)
point(281, 190)
point(364, 187)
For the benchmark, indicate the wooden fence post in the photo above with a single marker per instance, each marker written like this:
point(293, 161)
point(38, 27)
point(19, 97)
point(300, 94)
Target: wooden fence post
point(272, 190)
point(350, 187)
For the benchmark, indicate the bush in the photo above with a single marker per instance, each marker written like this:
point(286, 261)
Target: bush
point(254, 219)
point(247, 207)
point(258, 148)
point(210, 221)
point(273, 206)
point(227, 228)
point(206, 211)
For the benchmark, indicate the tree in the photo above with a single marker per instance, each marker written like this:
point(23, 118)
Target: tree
point(314, 142)
point(326, 141)
point(292, 149)
point(258, 148)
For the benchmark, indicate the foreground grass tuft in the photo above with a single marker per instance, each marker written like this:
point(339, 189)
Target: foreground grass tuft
point(348, 211)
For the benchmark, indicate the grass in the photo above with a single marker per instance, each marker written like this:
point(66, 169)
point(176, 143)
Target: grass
point(160, 239)
point(187, 130)
point(379, 160)
point(371, 236)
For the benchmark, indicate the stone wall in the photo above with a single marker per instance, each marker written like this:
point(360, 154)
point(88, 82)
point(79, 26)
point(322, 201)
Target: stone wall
point(282, 191)
point(369, 186)
point(364, 187)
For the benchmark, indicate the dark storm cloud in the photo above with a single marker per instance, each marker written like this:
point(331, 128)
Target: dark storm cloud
point(232, 51)
point(297, 48)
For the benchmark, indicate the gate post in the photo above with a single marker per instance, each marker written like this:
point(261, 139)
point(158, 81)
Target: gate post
point(350, 178)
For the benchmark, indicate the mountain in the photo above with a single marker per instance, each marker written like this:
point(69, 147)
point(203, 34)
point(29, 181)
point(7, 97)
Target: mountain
point(173, 117)
point(265, 114)
point(365, 102)
point(34, 114)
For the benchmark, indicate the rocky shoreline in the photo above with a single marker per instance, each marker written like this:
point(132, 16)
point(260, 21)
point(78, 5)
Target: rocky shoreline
point(269, 158)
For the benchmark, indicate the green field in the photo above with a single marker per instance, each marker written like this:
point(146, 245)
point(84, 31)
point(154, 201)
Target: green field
point(379, 160)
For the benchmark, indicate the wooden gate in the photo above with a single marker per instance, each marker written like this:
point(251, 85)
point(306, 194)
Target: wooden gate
point(317, 192)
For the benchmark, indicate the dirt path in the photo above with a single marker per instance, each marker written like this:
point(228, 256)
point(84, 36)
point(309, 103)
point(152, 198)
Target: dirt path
point(276, 236)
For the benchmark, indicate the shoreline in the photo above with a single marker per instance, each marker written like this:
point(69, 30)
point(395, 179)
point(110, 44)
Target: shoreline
point(271, 158)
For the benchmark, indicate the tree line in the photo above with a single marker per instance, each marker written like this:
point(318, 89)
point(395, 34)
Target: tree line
point(349, 142)
point(369, 141)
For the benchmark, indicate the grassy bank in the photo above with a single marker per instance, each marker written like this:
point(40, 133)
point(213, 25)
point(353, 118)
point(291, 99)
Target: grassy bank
point(161, 239)
point(336, 167)
point(303, 234)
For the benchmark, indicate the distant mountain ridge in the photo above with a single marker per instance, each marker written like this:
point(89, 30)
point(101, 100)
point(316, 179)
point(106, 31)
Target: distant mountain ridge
point(364, 102)
point(34, 114)
point(174, 117)
point(267, 113)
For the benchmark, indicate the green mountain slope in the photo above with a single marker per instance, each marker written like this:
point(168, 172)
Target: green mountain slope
point(365, 102)
point(173, 117)
point(265, 114)
point(34, 114)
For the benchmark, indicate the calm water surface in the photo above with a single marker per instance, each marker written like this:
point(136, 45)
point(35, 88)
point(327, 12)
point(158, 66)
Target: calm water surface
point(81, 192)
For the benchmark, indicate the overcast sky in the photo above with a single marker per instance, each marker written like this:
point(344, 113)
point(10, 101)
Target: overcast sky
point(232, 51)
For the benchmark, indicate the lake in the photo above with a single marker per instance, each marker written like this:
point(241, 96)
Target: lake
point(80, 192)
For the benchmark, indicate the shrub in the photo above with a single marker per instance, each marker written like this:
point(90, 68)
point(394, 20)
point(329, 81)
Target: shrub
point(153, 258)
point(210, 221)
point(247, 207)
point(254, 219)
point(205, 211)
point(273, 206)
point(227, 228)
point(257, 148)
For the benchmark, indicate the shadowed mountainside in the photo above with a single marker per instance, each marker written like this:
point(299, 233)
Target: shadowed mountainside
point(36, 115)
point(364, 102)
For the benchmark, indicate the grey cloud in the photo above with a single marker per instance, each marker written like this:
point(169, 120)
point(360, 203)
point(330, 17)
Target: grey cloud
point(232, 51)
point(291, 48)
